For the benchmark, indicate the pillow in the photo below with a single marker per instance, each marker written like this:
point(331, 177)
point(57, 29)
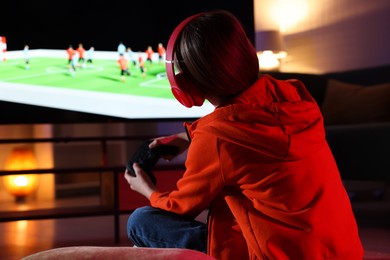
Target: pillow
point(346, 103)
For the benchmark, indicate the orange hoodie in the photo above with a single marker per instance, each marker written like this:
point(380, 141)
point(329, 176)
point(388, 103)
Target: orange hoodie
point(262, 166)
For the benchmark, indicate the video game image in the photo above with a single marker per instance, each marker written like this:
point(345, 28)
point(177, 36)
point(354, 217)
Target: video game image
point(37, 73)
point(125, 85)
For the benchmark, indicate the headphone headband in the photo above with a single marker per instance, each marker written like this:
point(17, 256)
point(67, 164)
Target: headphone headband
point(175, 34)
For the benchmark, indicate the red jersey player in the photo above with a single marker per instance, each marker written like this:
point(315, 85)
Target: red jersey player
point(70, 51)
point(142, 66)
point(161, 52)
point(149, 53)
point(123, 66)
point(81, 52)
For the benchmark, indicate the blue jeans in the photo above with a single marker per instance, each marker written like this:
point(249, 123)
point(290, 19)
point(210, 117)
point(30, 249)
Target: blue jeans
point(153, 227)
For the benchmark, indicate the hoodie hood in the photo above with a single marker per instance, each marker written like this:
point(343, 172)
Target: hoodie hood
point(277, 118)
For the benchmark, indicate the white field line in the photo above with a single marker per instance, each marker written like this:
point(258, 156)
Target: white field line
point(49, 70)
point(151, 83)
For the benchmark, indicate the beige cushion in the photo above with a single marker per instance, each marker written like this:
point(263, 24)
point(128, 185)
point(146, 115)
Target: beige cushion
point(346, 103)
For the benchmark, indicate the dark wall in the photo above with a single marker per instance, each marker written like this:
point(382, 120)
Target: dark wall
point(52, 24)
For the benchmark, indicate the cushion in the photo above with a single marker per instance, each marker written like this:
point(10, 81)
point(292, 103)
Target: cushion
point(346, 103)
point(118, 253)
point(314, 83)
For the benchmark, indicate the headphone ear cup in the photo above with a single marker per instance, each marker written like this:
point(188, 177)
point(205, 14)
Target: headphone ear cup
point(182, 88)
point(186, 92)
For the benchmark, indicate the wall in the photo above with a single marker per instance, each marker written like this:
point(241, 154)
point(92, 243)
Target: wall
point(328, 35)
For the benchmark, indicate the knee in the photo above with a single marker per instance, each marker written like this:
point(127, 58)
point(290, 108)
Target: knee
point(138, 219)
point(138, 216)
point(138, 223)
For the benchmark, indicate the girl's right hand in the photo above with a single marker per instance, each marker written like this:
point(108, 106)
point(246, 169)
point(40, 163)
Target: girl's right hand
point(179, 140)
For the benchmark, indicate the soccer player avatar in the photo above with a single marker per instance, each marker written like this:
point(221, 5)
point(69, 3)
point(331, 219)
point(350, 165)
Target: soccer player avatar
point(142, 66)
point(71, 52)
point(161, 52)
point(131, 56)
point(26, 56)
point(149, 53)
point(81, 51)
point(90, 53)
point(122, 61)
point(121, 48)
point(74, 63)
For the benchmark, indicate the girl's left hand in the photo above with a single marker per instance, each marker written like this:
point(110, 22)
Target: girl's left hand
point(140, 183)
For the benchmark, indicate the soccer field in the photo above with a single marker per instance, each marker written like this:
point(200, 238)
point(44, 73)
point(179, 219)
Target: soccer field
point(102, 75)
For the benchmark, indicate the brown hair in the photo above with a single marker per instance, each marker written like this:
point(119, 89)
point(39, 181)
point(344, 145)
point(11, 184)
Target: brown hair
point(214, 52)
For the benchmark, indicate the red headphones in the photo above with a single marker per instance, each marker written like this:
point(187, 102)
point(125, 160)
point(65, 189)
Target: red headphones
point(182, 88)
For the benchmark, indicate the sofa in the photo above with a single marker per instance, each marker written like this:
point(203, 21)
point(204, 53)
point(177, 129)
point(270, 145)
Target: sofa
point(356, 109)
point(127, 253)
point(117, 253)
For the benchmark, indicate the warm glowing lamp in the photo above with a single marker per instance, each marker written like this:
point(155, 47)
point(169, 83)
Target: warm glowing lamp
point(21, 186)
point(270, 49)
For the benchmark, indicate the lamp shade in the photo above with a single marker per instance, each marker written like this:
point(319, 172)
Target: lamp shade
point(21, 158)
point(270, 49)
point(270, 40)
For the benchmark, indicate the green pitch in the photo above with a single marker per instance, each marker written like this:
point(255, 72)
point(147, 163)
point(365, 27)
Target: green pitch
point(102, 76)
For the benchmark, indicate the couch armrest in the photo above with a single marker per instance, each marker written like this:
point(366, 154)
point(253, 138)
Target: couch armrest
point(361, 151)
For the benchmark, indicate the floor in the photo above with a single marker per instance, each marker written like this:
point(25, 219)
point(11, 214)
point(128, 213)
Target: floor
point(21, 238)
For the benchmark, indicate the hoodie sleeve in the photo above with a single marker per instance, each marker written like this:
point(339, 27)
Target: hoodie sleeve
point(200, 183)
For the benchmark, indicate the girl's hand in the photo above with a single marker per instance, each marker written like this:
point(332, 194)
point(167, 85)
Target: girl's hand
point(140, 183)
point(179, 140)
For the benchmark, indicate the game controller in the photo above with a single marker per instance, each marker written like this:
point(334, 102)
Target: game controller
point(147, 158)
